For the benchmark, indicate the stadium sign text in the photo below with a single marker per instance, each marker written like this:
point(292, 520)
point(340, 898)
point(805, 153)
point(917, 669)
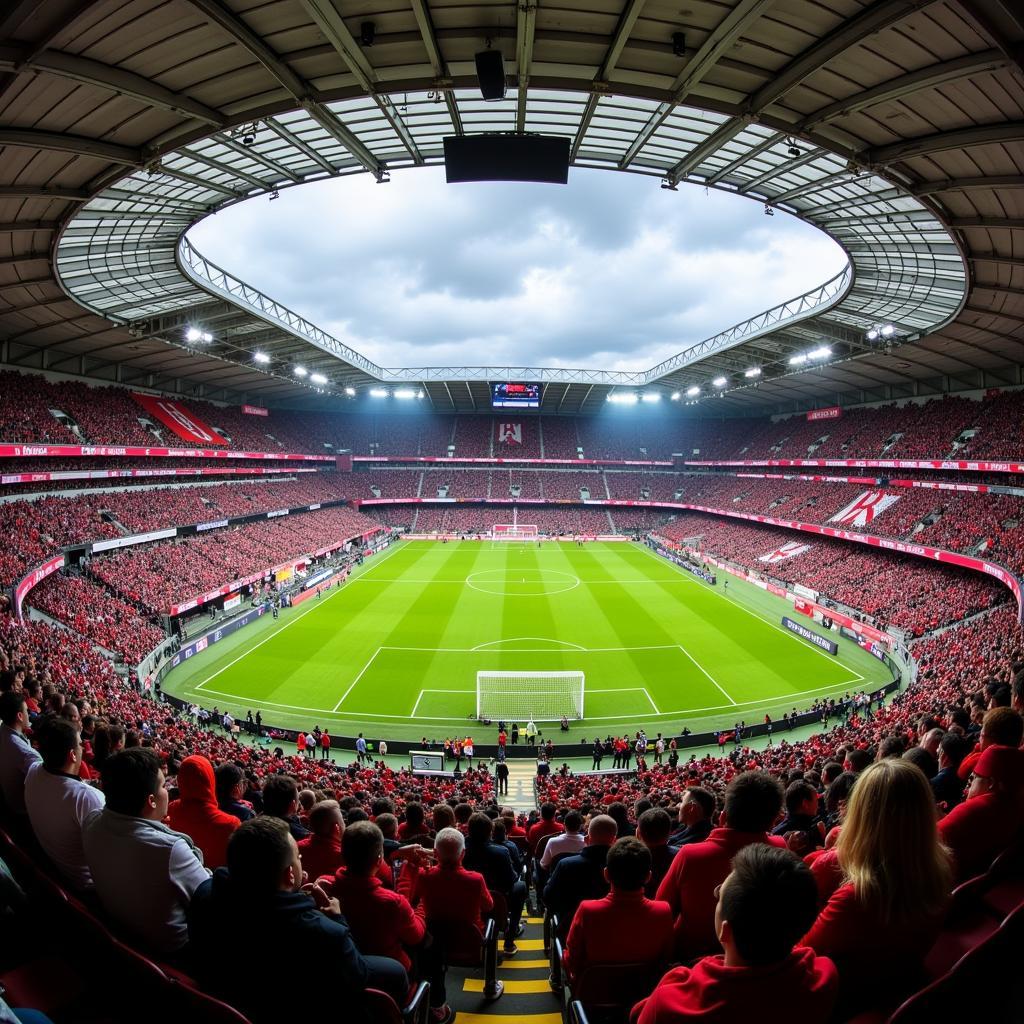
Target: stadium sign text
point(810, 636)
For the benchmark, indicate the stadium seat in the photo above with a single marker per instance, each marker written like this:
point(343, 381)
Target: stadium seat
point(191, 1004)
point(382, 1009)
point(464, 947)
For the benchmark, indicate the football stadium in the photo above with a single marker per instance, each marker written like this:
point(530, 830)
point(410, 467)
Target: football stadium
point(497, 589)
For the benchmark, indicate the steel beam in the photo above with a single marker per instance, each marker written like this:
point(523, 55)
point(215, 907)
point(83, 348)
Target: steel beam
point(76, 144)
point(941, 142)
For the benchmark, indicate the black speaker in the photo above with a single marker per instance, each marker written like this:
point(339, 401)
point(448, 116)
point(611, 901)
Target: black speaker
point(490, 72)
point(543, 158)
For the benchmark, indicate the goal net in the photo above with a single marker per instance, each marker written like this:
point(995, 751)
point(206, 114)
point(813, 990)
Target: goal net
point(513, 531)
point(520, 696)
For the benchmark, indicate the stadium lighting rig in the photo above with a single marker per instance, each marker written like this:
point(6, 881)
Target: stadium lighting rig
point(350, 391)
point(318, 378)
point(261, 357)
point(814, 355)
point(379, 392)
point(720, 382)
point(300, 371)
point(197, 334)
point(622, 398)
point(754, 371)
point(881, 331)
point(693, 391)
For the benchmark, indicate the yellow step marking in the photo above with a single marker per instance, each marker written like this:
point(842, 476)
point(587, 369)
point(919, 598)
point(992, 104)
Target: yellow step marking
point(529, 944)
point(512, 1018)
point(524, 963)
point(511, 987)
point(535, 920)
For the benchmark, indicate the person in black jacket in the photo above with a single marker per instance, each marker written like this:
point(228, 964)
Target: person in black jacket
point(259, 902)
point(495, 863)
point(947, 785)
point(598, 754)
point(696, 811)
point(581, 877)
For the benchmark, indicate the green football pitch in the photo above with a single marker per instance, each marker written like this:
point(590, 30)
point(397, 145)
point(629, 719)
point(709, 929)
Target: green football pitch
point(395, 652)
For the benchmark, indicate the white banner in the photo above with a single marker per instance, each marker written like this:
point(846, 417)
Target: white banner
point(864, 508)
point(788, 550)
point(510, 433)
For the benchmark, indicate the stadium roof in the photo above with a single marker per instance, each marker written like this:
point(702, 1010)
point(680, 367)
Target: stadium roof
point(897, 126)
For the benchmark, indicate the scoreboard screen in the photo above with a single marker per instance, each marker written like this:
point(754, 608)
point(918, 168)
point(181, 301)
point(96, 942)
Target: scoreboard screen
point(509, 395)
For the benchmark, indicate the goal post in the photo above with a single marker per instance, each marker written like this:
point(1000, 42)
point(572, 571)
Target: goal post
point(521, 696)
point(513, 531)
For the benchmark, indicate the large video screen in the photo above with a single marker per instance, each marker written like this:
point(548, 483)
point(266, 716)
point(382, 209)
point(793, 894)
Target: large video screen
point(511, 395)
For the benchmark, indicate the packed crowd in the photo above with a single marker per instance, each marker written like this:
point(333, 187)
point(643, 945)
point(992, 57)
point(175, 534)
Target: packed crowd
point(160, 575)
point(95, 613)
point(935, 429)
point(913, 594)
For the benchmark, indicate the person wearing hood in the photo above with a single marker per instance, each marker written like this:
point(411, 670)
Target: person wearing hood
point(764, 905)
point(144, 872)
point(196, 813)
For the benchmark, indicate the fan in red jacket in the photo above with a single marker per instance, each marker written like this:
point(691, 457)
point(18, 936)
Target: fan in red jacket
point(196, 813)
point(320, 851)
point(764, 905)
point(752, 803)
point(992, 816)
point(624, 927)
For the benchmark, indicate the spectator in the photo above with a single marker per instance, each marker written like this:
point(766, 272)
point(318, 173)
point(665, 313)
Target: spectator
point(59, 802)
point(281, 800)
point(581, 877)
point(1001, 727)
point(383, 921)
point(947, 785)
point(495, 863)
point(802, 827)
point(695, 811)
point(763, 907)
point(230, 784)
point(570, 841)
point(145, 873)
point(547, 826)
point(320, 851)
point(990, 819)
point(259, 901)
point(196, 813)
point(624, 926)
point(752, 802)
point(17, 754)
point(896, 879)
point(652, 829)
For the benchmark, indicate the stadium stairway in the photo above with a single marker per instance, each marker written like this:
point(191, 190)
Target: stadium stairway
point(521, 793)
point(527, 999)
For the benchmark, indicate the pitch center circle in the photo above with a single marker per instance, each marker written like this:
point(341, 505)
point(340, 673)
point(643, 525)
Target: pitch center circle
point(522, 582)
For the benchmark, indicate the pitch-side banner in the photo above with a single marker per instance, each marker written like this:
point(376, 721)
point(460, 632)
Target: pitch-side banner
point(833, 412)
point(184, 423)
point(963, 465)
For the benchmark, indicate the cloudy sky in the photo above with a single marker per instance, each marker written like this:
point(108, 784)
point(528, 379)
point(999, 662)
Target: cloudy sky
point(610, 271)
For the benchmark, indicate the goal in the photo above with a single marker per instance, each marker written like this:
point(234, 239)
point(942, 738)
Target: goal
point(513, 531)
point(520, 696)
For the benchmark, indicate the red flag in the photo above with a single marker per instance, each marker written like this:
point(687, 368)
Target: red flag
point(184, 423)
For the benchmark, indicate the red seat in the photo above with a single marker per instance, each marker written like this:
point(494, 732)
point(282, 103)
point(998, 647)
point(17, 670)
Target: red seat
point(384, 1010)
point(191, 1004)
point(464, 946)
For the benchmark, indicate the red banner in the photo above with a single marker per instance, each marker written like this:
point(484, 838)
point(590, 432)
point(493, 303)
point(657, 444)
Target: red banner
point(833, 412)
point(37, 575)
point(255, 410)
point(184, 423)
point(961, 465)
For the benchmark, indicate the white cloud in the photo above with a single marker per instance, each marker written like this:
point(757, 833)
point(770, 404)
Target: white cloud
point(609, 272)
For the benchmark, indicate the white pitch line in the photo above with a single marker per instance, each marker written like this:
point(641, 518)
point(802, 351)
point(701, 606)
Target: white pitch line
point(415, 706)
point(313, 606)
point(541, 639)
point(356, 680)
point(530, 650)
point(648, 696)
point(756, 615)
point(714, 682)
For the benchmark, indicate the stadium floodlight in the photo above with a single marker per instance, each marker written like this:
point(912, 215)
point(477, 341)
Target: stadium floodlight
point(820, 353)
point(193, 334)
point(676, 396)
point(720, 382)
point(405, 393)
point(350, 391)
point(622, 398)
point(378, 392)
point(693, 391)
point(873, 334)
point(261, 357)
point(754, 371)
point(318, 378)
point(888, 331)
point(207, 336)
point(650, 396)
point(797, 360)
point(301, 371)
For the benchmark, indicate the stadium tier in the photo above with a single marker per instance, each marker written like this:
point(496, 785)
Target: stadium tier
point(589, 630)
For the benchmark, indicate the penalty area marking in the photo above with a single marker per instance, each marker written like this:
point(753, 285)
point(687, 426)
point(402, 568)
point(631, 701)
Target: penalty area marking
point(539, 639)
point(356, 680)
point(714, 682)
point(316, 604)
